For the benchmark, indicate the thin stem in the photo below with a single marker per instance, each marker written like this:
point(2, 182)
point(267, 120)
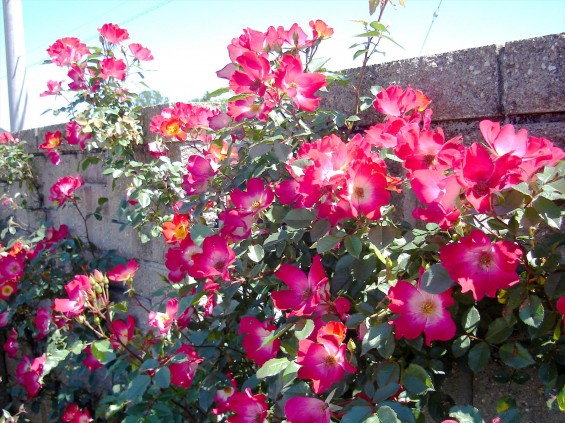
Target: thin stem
point(90, 244)
point(366, 58)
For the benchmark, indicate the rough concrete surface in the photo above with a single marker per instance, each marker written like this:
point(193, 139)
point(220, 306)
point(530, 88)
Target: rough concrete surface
point(533, 74)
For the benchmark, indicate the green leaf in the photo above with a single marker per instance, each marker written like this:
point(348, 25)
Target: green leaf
point(387, 415)
point(386, 391)
point(381, 338)
point(299, 218)
point(256, 253)
point(327, 243)
point(479, 356)
point(137, 387)
point(504, 403)
point(282, 152)
point(353, 245)
point(498, 331)
point(548, 211)
point(548, 373)
point(259, 150)
point(382, 236)
point(416, 380)
point(436, 280)
point(149, 365)
point(377, 26)
point(387, 373)
point(272, 367)
point(319, 229)
point(510, 416)
point(199, 233)
point(460, 346)
point(305, 331)
point(470, 320)
point(516, 356)
point(144, 198)
point(357, 414)
point(289, 374)
point(561, 399)
point(554, 286)
point(218, 92)
point(532, 312)
point(163, 377)
point(102, 351)
point(466, 414)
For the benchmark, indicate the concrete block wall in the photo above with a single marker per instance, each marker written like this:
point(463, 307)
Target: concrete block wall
point(522, 82)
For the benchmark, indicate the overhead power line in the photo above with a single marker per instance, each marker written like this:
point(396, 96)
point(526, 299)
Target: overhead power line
point(435, 15)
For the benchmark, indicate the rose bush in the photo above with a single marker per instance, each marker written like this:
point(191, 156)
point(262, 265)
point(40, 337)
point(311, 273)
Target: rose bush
point(297, 290)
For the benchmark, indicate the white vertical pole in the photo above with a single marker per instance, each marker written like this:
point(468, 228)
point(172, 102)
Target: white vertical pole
point(15, 62)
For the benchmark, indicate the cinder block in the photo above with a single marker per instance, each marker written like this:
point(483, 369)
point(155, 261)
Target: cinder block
point(148, 279)
point(533, 74)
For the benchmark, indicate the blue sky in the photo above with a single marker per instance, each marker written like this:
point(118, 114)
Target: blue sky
point(189, 37)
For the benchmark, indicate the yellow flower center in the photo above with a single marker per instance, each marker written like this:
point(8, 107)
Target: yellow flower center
point(256, 205)
point(485, 260)
point(428, 308)
point(359, 192)
point(330, 361)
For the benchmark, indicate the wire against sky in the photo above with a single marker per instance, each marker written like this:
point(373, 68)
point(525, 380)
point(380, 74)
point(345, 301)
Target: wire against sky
point(435, 15)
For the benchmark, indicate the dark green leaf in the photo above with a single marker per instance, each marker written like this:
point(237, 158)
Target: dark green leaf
point(163, 377)
point(532, 312)
point(548, 374)
point(259, 150)
point(387, 373)
point(382, 236)
point(479, 356)
point(555, 285)
point(460, 346)
point(416, 380)
point(470, 320)
point(149, 365)
point(353, 245)
point(387, 415)
point(299, 218)
point(436, 280)
point(515, 355)
point(381, 338)
point(327, 243)
point(357, 414)
point(498, 331)
point(510, 416)
point(199, 233)
point(137, 387)
point(319, 229)
point(385, 391)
